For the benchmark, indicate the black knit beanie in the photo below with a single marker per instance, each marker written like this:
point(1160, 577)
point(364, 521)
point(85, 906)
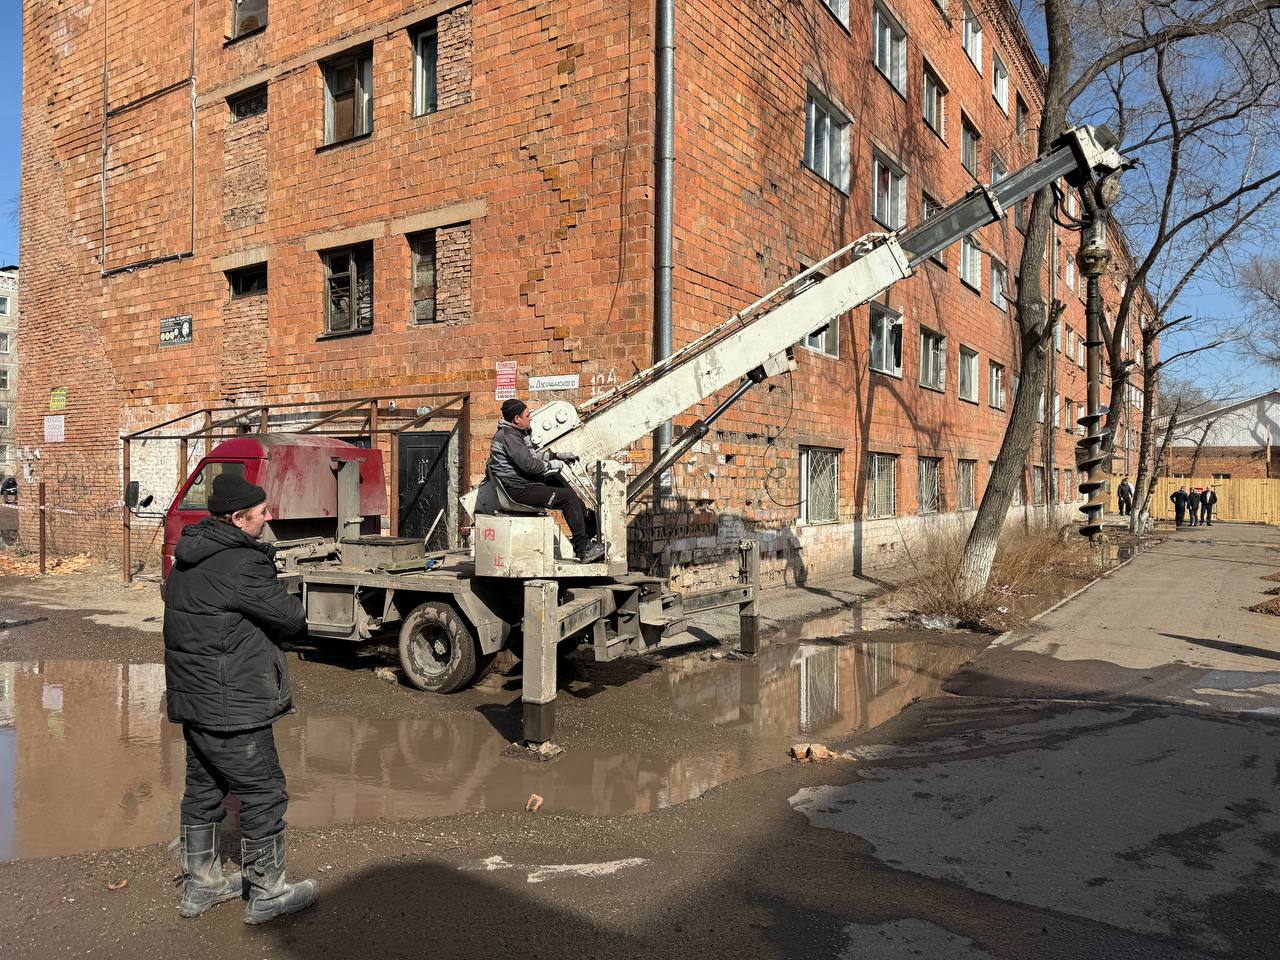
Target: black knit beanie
point(513, 408)
point(232, 492)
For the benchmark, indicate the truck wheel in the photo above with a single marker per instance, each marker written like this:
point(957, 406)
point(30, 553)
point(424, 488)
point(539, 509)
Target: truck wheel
point(437, 649)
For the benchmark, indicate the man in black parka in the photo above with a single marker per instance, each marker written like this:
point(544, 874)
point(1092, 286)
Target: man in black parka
point(227, 682)
point(1179, 499)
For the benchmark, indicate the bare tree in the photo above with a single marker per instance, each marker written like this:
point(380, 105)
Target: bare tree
point(1260, 287)
point(1122, 48)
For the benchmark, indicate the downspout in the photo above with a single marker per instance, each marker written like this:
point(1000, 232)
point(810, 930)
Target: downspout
point(665, 161)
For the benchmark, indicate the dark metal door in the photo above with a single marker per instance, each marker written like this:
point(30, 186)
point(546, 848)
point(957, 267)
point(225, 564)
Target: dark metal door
point(423, 478)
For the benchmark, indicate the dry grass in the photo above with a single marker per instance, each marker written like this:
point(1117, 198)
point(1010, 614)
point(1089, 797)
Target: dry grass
point(1271, 607)
point(17, 564)
point(1272, 576)
point(1025, 564)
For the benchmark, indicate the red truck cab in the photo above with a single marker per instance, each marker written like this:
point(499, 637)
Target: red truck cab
point(299, 473)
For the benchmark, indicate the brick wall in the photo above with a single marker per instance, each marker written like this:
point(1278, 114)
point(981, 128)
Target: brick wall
point(535, 172)
point(1237, 462)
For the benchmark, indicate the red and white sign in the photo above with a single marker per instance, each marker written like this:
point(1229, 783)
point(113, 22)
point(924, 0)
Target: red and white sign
point(506, 380)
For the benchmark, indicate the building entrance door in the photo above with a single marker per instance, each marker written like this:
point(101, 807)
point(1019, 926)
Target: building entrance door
point(425, 490)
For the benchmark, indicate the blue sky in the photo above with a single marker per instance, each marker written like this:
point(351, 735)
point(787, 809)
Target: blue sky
point(1208, 299)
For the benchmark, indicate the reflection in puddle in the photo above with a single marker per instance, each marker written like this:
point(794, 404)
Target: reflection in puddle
point(88, 760)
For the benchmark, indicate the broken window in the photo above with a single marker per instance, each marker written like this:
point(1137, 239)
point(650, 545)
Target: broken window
point(349, 289)
point(248, 281)
point(423, 247)
point(251, 103)
point(247, 16)
point(424, 69)
point(348, 97)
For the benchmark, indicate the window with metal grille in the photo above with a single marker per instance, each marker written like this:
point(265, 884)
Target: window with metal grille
point(826, 141)
point(819, 688)
point(349, 289)
point(250, 281)
point(348, 97)
point(930, 488)
point(966, 480)
point(881, 666)
point(247, 16)
point(933, 360)
point(882, 485)
point(968, 375)
point(1037, 486)
point(423, 248)
point(889, 48)
point(251, 103)
point(995, 385)
point(425, 47)
point(819, 485)
point(886, 340)
point(935, 102)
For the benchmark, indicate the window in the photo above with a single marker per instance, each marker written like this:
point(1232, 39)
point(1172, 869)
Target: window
point(969, 138)
point(424, 69)
point(1040, 409)
point(882, 486)
point(995, 385)
point(348, 98)
point(930, 485)
point(248, 281)
point(819, 485)
point(1080, 345)
point(888, 193)
point(971, 263)
point(1017, 382)
point(1057, 411)
point(1019, 493)
point(1071, 343)
point(4, 306)
point(825, 339)
point(423, 248)
point(1080, 408)
point(966, 478)
point(935, 101)
point(4, 378)
point(998, 169)
point(999, 82)
point(1222, 476)
point(999, 283)
point(933, 360)
point(968, 375)
point(251, 103)
point(889, 48)
point(4, 451)
point(930, 209)
point(971, 37)
point(247, 16)
point(886, 340)
point(1057, 335)
point(1037, 486)
point(840, 8)
point(1021, 115)
point(1065, 493)
point(4, 416)
point(197, 495)
point(4, 342)
point(826, 141)
point(349, 289)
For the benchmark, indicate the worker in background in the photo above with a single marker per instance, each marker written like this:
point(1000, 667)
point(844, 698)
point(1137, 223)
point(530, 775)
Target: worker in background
point(1124, 493)
point(227, 682)
point(1179, 500)
point(532, 477)
point(1193, 505)
point(1207, 500)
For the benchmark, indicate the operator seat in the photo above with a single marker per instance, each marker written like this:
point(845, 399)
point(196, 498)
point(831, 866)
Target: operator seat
point(506, 505)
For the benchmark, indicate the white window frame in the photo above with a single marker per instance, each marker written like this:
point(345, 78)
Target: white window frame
point(995, 385)
point(4, 306)
point(999, 82)
point(970, 149)
point(930, 208)
point(874, 476)
point(839, 9)
point(889, 47)
point(805, 466)
point(969, 357)
point(888, 205)
point(4, 341)
point(426, 62)
point(828, 125)
point(825, 340)
point(4, 378)
point(933, 360)
point(999, 284)
point(999, 170)
point(926, 507)
point(934, 101)
point(1057, 410)
point(886, 321)
point(971, 37)
point(971, 263)
point(361, 63)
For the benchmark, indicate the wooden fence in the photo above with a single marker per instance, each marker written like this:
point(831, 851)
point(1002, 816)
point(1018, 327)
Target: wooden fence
point(1253, 501)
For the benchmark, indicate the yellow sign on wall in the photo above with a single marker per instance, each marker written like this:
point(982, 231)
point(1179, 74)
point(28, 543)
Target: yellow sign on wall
point(57, 399)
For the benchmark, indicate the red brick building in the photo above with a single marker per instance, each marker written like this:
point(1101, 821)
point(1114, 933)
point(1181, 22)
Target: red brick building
point(380, 197)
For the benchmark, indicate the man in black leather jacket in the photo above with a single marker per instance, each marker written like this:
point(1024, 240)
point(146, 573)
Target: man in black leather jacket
point(227, 682)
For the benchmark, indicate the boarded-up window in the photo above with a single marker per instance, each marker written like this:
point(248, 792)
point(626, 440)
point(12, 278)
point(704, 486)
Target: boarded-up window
point(423, 246)
point(349, 289)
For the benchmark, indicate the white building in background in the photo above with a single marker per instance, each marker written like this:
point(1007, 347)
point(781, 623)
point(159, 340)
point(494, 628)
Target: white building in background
point(8, 367)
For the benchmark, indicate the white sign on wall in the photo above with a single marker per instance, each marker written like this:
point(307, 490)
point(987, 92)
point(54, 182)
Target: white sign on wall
point(568, 381)
point(55, 428)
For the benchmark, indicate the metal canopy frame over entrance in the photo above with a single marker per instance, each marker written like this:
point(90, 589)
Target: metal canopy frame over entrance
point(368, 416)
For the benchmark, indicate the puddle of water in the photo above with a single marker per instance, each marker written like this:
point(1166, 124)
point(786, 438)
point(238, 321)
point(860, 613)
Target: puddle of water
point(88, 760)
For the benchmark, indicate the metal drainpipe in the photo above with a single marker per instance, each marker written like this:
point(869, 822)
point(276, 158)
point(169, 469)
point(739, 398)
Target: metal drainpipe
point(665, 155)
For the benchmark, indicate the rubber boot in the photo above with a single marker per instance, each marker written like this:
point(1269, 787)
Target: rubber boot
point(203, 883)
point(263, 862)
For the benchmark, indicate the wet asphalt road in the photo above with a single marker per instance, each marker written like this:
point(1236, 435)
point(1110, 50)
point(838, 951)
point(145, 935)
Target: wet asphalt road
point(1101, 787)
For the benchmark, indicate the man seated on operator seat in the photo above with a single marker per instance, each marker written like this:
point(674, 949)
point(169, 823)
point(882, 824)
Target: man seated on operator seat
point(532, 477)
